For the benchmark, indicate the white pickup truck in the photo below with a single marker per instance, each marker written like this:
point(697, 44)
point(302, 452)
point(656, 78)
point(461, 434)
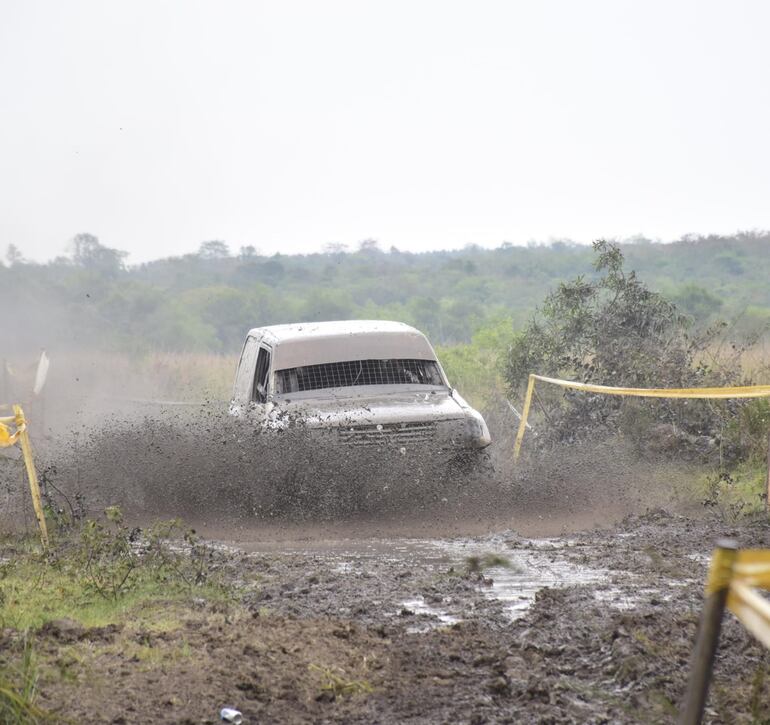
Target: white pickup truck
point(366, 382)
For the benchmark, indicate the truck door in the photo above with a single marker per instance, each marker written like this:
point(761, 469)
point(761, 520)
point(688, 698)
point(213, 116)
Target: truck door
point(258, 406)
point(262, 376)
point(244, 377)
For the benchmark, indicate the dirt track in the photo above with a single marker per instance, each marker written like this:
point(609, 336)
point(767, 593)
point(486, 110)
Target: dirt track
point(354, 600)
point(590, 627)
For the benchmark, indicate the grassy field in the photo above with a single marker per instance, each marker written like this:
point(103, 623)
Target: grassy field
point(96, 575)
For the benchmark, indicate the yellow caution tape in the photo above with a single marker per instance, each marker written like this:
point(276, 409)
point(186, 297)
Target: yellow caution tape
point(752, 609)
point(740, 391)
point(741, 572)
point(752, 568)
point(7, 438)
point(721, 570)
point(747, 566)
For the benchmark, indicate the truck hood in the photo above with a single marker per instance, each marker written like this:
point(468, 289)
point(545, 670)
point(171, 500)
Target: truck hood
point(341, 411)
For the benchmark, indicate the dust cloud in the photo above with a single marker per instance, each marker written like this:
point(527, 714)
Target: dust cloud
point(104, 443)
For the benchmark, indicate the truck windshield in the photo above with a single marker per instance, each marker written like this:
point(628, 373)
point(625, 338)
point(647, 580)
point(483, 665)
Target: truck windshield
point(357, 372)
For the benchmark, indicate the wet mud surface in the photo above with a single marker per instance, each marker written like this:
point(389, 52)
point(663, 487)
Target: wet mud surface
point(593, 626)
point(373, 587)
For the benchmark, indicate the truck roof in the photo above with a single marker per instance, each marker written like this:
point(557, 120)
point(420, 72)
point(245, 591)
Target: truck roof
point(305, 330)
point(310, 343)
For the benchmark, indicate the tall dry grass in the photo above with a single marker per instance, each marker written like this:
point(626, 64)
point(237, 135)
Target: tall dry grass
point(155, 376)
point(474, 370)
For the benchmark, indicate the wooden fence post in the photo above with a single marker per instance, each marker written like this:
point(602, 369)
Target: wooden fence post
point(524, 415)
point(34, 487)
point(707, 640)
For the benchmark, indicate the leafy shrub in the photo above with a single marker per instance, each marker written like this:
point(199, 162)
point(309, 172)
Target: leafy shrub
point(747, 432)
point(613, 330)
point(108, 555)
point(113, 558)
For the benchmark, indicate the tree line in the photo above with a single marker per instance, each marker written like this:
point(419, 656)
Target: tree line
point(91, 298)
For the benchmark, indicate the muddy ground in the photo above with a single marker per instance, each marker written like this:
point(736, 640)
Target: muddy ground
point(594, 626)
point(388, 588)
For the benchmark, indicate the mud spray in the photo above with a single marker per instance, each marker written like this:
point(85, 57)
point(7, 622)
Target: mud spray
point(198, 463)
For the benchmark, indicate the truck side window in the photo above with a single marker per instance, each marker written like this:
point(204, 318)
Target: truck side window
point(244, 380)
point(261, 375)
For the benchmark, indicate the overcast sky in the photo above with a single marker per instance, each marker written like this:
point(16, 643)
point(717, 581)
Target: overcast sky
point(424, 124)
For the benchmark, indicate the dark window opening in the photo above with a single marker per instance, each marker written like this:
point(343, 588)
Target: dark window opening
point(244, 381)
point(358, 372)
point(261, 375)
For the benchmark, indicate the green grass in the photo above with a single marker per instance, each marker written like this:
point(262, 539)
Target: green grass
point(735, 494)
point(336, 683)
point(68, 581)
point(18, 690)
point(477, 564)
point(34, 592)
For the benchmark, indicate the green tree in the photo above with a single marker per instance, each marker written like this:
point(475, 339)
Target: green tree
point(214, 249)
point(13, 255)
point(613, 330)
point(90, 254)
point(228, 311)
point(369, 246)
point(697, 301)
point(322, 305)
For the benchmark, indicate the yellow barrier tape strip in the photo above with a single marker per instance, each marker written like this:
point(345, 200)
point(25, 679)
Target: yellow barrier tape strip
point(741, 572)
point(8, 439)
point(747, 566)
point(742, 391)
point(753, 574)
point(750, 567)
point(720, 570)
point(752, 609)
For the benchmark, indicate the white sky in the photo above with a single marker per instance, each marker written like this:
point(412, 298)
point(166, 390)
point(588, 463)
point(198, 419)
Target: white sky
point(425, 124)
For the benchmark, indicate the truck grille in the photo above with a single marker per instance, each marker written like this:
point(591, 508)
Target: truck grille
point(358, 372)
point(391, 434)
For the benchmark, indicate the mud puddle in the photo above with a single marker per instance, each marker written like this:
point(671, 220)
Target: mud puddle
point(504, 569)
point(527, 566)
